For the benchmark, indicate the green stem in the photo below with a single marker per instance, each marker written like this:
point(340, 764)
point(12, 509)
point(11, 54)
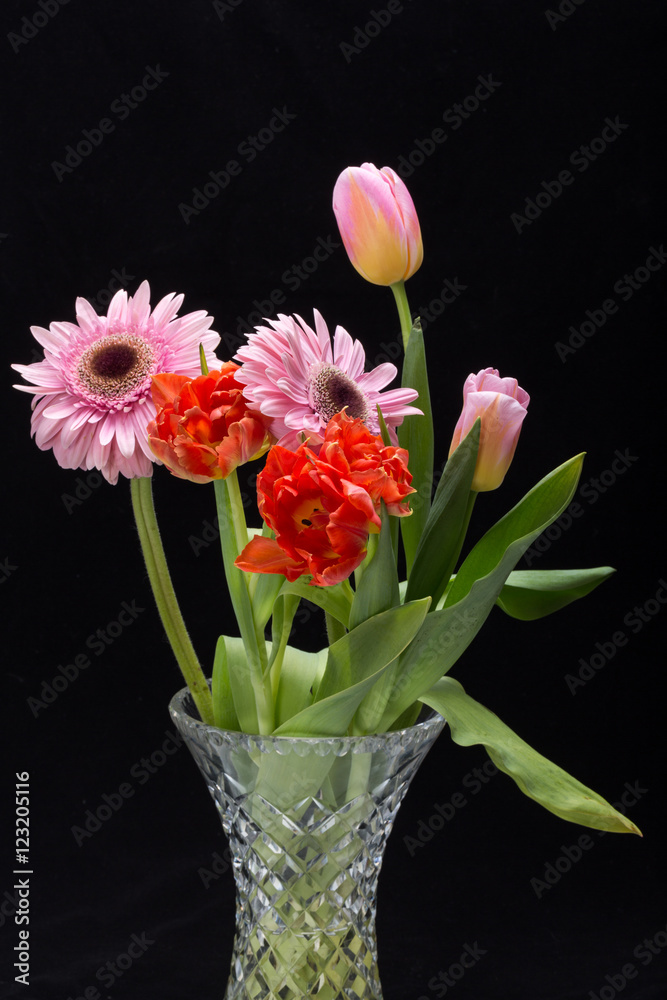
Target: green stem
point(403, 311)
point(233, 537)
point(284, 610)
point(165, 596)
point(238, 515)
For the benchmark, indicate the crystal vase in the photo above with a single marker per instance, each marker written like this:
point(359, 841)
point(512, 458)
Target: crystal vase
point(307, 822)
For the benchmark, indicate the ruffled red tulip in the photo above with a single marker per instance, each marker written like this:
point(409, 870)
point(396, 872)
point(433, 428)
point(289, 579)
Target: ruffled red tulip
point(501, 403)
point(204, 427)
point(378, 223)
point(323, 506)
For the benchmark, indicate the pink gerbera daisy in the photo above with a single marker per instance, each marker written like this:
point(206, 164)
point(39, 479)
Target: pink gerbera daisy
point(93, 389)
point(291, 373)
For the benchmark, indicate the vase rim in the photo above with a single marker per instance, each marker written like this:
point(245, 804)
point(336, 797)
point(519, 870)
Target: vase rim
point(426, 729)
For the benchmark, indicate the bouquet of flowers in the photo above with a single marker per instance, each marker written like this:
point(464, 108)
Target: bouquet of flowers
point(353, 520)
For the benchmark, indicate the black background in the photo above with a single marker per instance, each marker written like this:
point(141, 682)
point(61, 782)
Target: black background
point(69, 564)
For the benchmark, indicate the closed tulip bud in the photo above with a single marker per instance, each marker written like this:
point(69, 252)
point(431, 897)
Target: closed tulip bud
point(378, 223)
point(501, 404)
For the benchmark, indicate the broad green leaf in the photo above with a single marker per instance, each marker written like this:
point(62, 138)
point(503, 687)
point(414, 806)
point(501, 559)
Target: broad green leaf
point(299, 676)
point(370, 646)
point(416, 435)
point(335, 600)
point(224, 713)
point(378, 588)
point(442, 639)
point(446, 633)
point(520, 527)
point(354, 664)
point(332, 715)
point(443, 534)
point(537, 777)
point(530, 594)
point(237, 677)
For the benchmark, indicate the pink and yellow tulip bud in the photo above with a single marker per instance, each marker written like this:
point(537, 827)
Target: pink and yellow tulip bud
point(378, 222)
point(501, 403)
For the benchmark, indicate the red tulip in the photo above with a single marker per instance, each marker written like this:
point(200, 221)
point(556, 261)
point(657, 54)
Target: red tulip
point(204, 427)
point(323, 506)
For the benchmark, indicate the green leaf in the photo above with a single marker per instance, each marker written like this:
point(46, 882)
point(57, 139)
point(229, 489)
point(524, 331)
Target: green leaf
point(224, 713)
point(332, 715)
point(370, 646)
point(264, 589)
point(284, 609)
point(235, 678)
point(354, 664)
point(442, 537)
point(416, 435)
point(517, 530)
point(299, 676)
point(537, 777)
point(446, 633)
point(530, 594)
point(335, 600)
point(378, 587)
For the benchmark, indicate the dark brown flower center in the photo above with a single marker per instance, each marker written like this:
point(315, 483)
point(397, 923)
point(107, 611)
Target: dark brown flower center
point(113, 361)
point(331, 390)
point(112, 369)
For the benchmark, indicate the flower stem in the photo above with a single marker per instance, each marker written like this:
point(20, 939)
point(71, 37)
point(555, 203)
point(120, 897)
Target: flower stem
point(233, 537)
point(165, 596)
point(403, 307)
